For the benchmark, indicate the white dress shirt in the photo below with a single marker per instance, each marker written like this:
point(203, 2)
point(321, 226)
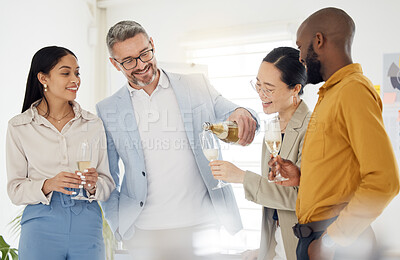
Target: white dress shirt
point(37, 151)
point(177, 196)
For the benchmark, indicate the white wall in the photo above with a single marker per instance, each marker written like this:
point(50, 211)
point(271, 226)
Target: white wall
point(169, 23)
point(25, 27)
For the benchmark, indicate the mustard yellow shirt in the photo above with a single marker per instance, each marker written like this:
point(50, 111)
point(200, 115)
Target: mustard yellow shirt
point(348, 166)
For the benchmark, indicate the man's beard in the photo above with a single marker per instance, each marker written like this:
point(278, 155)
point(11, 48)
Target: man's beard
point(313, 66)
point(140, 83)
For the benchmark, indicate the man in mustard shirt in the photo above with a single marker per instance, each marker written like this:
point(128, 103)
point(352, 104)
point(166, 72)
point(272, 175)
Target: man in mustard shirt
point(348, 172)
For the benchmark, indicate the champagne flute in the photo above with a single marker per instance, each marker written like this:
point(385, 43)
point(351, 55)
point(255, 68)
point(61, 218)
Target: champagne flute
point(83, 160)
point(210, 147)
point(273, 140)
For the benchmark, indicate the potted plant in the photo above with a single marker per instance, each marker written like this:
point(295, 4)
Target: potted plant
point(7, 253)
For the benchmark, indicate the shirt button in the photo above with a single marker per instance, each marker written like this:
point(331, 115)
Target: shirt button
point(141, 204)
point(144, 174)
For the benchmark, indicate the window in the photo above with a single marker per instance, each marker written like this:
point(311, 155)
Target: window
point(230, 69)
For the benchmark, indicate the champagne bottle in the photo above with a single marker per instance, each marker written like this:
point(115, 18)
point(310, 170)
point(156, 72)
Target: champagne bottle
point(227, 131)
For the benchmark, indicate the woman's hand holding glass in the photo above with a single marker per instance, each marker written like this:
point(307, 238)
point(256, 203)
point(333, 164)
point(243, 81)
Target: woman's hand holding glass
point(91, 177)
point(61, 181)
point(209, 144)
point(226, 171)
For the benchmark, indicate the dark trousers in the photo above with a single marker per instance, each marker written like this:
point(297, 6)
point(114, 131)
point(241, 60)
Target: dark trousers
point(302, 245)
point(364, 248)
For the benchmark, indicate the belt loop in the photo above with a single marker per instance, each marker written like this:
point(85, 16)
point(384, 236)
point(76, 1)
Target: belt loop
point(66, 200)
point(295, 230)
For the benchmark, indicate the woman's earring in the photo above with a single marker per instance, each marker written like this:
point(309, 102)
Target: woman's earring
point(45, 87)
point(294, 101)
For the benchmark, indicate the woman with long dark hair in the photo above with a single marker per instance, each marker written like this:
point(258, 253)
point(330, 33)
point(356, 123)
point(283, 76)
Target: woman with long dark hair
point(43, 144)
point(279, 83)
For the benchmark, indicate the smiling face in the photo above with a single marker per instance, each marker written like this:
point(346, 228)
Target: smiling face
point(63, 80)
point(280, 98)
point(145, 72)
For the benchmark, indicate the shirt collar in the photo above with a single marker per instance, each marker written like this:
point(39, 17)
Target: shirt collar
point(79, 112)
point(32, 113)
point(162, 82)
point(339, 75)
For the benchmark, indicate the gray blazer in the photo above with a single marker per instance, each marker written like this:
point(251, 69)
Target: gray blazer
point(198, 102)
point(272, 196)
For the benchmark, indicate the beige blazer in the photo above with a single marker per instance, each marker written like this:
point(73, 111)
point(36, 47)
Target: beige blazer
point(272, 196)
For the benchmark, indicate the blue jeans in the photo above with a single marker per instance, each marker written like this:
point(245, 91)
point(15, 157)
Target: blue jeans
point(65, 229)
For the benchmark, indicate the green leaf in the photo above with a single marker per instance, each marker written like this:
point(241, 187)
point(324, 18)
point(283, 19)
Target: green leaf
point(3, 243)
point(6, 251)
point(14, 254)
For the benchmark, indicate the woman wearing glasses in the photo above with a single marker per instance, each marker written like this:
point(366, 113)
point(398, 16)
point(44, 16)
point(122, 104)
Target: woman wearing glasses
point(280, 81)
point(43, 143)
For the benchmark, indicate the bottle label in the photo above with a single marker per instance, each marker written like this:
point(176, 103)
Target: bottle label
point(225, 133)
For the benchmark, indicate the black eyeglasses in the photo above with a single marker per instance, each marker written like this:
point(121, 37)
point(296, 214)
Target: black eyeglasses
point(131, 63)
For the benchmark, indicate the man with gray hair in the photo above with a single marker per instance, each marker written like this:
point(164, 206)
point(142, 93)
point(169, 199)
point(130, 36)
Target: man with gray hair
point(152, 124)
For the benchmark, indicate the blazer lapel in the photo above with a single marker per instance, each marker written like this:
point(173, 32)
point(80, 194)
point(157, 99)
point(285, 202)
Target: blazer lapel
point(291, 132)
point(183, 97)
point(288, 141)
point(128, 119)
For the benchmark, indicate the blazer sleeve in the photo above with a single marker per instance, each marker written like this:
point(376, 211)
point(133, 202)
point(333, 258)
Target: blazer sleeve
point(105, 183)
point(222, 106)
point(259, 190)
point(111, 206)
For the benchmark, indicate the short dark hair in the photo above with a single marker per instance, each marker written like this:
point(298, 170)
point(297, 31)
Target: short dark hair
point(43, 61)
point(286, 59)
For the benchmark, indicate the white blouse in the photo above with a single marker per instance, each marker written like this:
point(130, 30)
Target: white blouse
point(37, 151)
